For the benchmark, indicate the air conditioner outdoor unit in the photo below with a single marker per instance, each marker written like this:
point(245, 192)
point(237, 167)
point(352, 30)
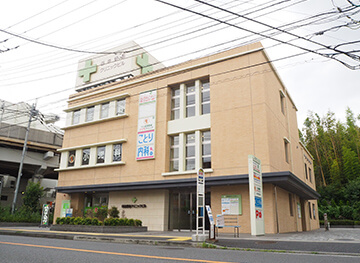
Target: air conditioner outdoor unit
point(48, 155)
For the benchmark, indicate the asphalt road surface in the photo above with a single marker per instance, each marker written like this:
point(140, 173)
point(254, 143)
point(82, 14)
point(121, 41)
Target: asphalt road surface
point(31, 250)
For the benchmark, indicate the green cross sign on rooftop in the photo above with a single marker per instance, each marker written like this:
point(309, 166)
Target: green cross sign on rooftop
point(87, 71)
point(143, 62)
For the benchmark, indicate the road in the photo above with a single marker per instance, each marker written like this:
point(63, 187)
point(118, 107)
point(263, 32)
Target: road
point(30, 250)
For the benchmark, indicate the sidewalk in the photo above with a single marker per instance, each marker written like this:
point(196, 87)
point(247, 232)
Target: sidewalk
point(344, 241)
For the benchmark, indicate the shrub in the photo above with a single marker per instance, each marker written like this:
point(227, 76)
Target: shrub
point(67, 220)
point(95, 222)
point(58, 220)
point(138, 222)
point(130, 222)
point(78, 221)
point(123, 221)
point(101, 213)
point(87, 221)
point(32, 196)
point(114, 212)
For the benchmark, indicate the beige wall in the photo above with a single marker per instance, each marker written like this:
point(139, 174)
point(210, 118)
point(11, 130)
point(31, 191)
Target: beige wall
point(156, 214)
point(246, 118)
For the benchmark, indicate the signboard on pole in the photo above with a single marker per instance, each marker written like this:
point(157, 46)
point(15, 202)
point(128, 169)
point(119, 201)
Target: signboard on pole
point(212, 222)
point(45, 215)
point(256, 197)
point(200, 201)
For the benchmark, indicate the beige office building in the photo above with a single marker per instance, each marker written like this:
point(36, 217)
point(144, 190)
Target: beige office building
point(136, 140)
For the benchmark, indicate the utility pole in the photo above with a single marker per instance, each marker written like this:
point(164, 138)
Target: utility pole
point(33, 113)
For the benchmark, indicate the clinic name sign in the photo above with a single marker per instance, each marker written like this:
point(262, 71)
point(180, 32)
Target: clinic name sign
point(256, 196)
point(145, 149)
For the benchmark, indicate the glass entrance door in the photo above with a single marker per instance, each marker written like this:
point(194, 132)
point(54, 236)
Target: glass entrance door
point(183, 211)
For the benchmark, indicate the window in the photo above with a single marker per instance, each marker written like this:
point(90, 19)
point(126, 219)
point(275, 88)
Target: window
point(76, 117)
point(174, 153)
point(117, 152)
point(313, 206)
point(309, 210)
point(120, 107)
point(306, 172)
point(71, 158)
point(100, 154)
point(190, 100)
point(190, 152)
point(206, 149)
point(104, 113)
point(175, 104)
point(286, 148)
point(90, 113)
point(205, 98)
point(4, 198)
point(310, 177)
point(85, 156)
point(282, 101)
point(291, 205)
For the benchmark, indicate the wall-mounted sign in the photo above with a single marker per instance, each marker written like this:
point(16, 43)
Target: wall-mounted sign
point(231, 205)
point(256, 197)
point(134, 206)
point(65, 204)
point(146, 126)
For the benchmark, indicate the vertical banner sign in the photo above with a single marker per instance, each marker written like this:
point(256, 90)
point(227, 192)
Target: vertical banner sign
point(146, 126)
point(256, 197)
point(212, 222)
point(45, 215)
point(200, 201)
point(65, 204)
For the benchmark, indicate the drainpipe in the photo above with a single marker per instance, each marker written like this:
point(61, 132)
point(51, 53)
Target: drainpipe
point(276, 212)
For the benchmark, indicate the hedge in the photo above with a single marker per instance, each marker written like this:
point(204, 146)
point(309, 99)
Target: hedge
point(96, 222)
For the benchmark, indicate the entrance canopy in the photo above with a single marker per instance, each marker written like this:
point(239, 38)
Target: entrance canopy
point(285, 180)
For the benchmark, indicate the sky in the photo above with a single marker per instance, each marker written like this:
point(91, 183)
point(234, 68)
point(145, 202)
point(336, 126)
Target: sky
point(41, 42)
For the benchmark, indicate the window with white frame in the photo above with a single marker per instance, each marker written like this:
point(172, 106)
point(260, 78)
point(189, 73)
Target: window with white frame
point(175, 103)
point(117, 152)
point(90, 113)
point(120, 107)
point(100, 154)
point(71, 158)
point(190, 151)
point(174, 153)
point(76, 117)
point(104, 110)
point(206, 149)
point(190, 99)
point(205, 98)
point(85, 156)
point(282, 102)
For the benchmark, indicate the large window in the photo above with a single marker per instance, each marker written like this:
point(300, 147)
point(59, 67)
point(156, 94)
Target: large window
point(190, 99)
point(190, 151)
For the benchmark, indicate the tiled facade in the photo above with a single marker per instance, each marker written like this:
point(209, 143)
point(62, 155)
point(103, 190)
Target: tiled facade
point(249, 113)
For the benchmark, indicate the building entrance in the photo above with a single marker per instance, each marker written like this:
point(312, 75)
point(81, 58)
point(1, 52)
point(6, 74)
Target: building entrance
point(183, 210)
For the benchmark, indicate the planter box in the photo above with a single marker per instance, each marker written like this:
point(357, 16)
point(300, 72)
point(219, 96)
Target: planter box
point(98, 229)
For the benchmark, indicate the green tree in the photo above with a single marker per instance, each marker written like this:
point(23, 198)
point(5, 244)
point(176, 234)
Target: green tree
point(335, 173)
point(351, 164)
point(32, 196)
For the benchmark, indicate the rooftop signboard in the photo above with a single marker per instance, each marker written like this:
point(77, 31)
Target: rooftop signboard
point(122, 62)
